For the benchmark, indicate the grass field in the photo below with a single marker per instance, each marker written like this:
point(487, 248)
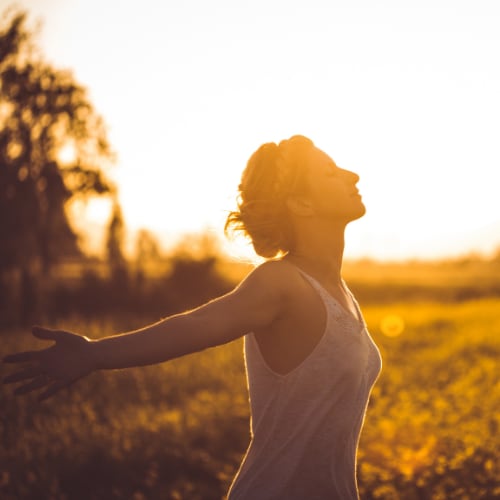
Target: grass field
point(178, 430)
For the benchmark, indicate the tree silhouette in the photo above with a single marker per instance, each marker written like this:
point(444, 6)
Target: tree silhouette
point(114, 246)
point(53, 147)
point(147, 254)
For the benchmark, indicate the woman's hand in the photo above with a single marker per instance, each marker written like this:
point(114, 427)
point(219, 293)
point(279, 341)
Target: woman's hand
point(55, 367)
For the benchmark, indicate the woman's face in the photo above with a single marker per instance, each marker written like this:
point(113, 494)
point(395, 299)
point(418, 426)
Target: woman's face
point(331, 191)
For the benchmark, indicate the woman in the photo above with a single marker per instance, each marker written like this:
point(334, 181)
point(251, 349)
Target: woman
point(310, 360)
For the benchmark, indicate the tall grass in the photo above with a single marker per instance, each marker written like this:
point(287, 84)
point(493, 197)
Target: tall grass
point(432, 426)
point(178, 430)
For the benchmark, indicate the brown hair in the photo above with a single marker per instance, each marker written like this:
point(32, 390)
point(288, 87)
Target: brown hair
point(273, 173)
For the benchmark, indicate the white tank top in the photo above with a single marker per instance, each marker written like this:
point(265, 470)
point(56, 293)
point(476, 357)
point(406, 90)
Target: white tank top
point(305, 425)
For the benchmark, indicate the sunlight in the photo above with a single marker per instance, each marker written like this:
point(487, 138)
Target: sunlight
point(66, 155)
point(99, 209)
point(5, 111)
point(90, 218)
point(240, 249)
point(403, 115)
point(14, 149)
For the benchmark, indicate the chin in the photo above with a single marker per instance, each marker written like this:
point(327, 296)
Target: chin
point(353, 216)
point(359, 212)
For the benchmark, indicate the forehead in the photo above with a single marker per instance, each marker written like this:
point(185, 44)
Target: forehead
point(319, 161)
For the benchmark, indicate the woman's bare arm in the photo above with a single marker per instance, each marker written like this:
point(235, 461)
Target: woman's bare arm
point(255, 303)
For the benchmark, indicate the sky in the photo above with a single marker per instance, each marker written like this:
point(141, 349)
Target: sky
point(405, 93)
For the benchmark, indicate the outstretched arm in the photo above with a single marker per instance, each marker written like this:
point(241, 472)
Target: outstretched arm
point(255, 303)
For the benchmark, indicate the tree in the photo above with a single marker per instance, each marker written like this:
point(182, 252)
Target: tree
point(53, 147)
point(114, 246)
point(147, 255)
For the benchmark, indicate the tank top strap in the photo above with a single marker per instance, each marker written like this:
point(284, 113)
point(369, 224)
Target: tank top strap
point(313, 281)
point(330, 301)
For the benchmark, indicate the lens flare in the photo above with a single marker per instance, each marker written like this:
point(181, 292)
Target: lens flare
point(392, 325)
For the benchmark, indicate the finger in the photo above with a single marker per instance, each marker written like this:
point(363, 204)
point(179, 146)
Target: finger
point(31, 372)
point(38, 383)
point(53, 388)
point(21, 357)
point(46, 333)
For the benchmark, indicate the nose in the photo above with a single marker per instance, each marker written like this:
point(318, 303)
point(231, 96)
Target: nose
point(351, 176)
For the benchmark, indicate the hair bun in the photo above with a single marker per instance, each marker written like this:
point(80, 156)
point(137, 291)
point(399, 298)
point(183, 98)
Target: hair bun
point(271, 174)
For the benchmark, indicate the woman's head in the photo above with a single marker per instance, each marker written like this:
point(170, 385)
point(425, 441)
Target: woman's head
point(273, 173)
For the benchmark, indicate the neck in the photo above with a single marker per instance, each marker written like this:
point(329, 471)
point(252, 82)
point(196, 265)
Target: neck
point(320, 251)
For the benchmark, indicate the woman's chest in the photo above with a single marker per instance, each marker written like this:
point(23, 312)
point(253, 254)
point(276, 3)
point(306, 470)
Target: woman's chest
point(311, 319)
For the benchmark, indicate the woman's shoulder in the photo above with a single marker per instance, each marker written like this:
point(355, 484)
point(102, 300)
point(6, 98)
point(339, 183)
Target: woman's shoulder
point(276, 274)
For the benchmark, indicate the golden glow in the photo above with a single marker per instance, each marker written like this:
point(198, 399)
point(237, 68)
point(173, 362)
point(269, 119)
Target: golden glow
point(67, 154)
point(392, 325)
point(14, 149)
point(5, 111)
point(90, 218)
point(407, 99)
point(99, 209)
point(23, 173)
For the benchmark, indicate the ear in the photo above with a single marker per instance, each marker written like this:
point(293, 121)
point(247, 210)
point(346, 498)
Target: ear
point(299, 205)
